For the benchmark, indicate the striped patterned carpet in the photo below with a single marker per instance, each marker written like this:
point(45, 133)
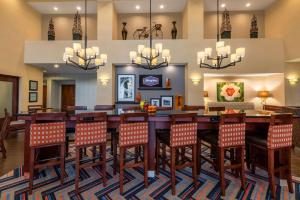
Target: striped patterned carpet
point(47, 185)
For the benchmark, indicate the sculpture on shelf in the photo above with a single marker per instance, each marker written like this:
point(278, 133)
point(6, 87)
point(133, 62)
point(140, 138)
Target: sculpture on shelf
point(226, 26)
point(124, 31)
point(77, 30)
point(254, 28)
point(144, 33)
point(51, 30)
point(174, 31)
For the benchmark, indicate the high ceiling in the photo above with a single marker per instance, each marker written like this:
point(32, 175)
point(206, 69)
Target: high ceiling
point(129, 6)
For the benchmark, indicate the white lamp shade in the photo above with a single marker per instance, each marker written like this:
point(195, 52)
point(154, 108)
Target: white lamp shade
point(233, 58)
point(132, 55)
point(80, 61)
point(241, 52)
point(220, 44)
point(76, 47)
point(65, 57)
point(69, 52)
point(103, 57)
point(165, 53)
point(99, 61)
point(228, 49)
point(141, 48)
point(208, 51)
point(201, 55)
point(159, 47)
point(96, 50)
point(138, 60)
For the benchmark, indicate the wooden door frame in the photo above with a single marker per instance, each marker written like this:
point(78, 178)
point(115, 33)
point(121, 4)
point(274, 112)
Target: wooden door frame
point(15, 100)
point(61, 96)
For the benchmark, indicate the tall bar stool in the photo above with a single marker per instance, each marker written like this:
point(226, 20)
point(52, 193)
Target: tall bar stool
point(279, 139)
point(91, 130)
point(47, 130)
point(3, 133)
point(230, 136)
point(183, 134)
point(133, 134)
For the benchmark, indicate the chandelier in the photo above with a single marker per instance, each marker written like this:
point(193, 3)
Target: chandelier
point(148, 57)
point(87, 58)
point(205, 59)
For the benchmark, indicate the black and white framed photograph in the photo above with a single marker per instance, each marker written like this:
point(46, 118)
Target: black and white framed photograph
point(166, 101)
point(126, 88)
point(155, 102)
point(33, 96)
point(33, 85)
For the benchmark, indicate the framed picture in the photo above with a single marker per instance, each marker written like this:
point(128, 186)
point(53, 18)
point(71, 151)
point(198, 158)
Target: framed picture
point(33, 96)
point(230, 92)
point(166, 101)
point(155, 102)
point(33, 85)
point(126, 88)
point(150, 81)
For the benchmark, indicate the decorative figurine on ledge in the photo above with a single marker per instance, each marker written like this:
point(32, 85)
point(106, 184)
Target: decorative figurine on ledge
point(77, 30)
point(226, 26)
point(124, 31)
point(51, 30)
point(254, 28)
point(174, 31)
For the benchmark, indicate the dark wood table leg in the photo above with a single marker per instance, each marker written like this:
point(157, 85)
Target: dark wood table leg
point(151, 149)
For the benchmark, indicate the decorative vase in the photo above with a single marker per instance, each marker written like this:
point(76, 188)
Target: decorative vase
point(124, 31)
point(168, 83)
point(138, 97)
point(51, 30)
point(174, 31)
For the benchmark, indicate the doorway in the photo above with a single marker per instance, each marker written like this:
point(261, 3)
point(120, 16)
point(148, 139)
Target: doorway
point(9, 94)
point(67, 96)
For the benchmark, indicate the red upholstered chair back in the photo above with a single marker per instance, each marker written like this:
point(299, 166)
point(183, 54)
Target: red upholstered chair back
point(47, 129)
point(232, 130)
point(183, 129)
point(91, 128)
point(280, 131)
point(133, 129)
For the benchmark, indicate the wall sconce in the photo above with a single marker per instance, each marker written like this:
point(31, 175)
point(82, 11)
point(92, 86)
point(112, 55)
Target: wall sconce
point(293, 81)
point(104, 81)
point(196, 81)
point(263, 95)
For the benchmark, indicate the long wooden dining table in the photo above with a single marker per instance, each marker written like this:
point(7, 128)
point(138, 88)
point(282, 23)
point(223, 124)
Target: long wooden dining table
point(255, 120)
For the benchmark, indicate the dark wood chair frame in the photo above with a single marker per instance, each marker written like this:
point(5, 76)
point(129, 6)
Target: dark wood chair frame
point(255, 150)
point(91, 118)
point(34, 150)
point(131, 118)
point(192, 108)
point(73, 108)
point(3, 132)
point(219, 108)
point(174, 163)
point(237, 154)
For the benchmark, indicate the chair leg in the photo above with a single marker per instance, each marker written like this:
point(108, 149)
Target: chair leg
point(2, 148)
point(222, 171)
point(121, 169)
point(289, 172)
point(111, 144)
point(252, 152)
point(173, 177)
point(146, 165)
point(62, 163)
point(194, 160)
point(199, 157)
point(114, 155)
point(157, 154)
point(164, 156)
point(242, 160)
point(136, 152)
point(77, 176)
point(103, 156)
point(31, 170)
point(271, 172)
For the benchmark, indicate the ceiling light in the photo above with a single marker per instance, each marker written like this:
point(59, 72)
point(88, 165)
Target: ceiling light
point(78, 8)
point(55, 8)
point(223, 5)
point(248, 4)
point(56, 66)
point(137, 7)
point(161, 6)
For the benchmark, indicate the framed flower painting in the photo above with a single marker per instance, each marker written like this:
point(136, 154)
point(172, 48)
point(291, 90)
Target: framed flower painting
point(230, 92)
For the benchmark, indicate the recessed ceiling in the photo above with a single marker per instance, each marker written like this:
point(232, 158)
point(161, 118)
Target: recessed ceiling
point(236, 5)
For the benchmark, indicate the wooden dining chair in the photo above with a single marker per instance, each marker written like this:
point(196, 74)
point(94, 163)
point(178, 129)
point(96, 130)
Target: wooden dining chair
point(3, 133)
point(183, 134)
point(192, 108)
point(91, 131)
point(14, 125)
point(133, 134)
point(279, 139)
point(74, 108)
point(220, 108)
point(47, 130)
point(230, 136)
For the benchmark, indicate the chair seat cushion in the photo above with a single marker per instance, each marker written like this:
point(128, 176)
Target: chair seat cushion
point(257, 140)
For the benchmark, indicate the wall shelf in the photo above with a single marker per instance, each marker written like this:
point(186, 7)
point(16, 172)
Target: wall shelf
point(145, 88)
